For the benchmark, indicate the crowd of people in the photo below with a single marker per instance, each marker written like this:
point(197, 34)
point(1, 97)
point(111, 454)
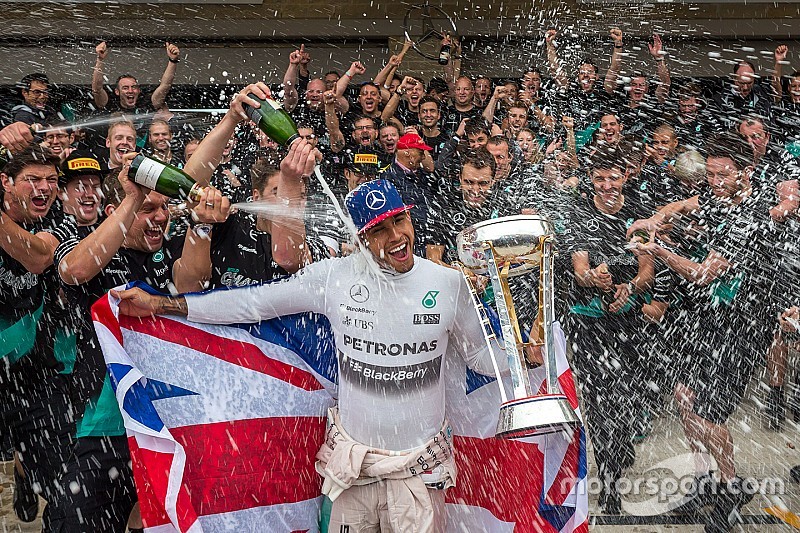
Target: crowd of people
point(675, 211)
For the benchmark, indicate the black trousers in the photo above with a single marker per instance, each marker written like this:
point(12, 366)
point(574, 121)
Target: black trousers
point(605, 363)
point(98, 490)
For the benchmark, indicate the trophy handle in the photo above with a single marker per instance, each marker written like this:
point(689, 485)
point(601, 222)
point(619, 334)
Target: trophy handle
point(488, 332)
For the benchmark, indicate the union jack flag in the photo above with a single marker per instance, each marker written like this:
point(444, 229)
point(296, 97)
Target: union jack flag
point(224, 423)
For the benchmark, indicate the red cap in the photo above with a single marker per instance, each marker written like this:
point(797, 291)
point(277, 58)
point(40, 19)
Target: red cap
point(412, 140)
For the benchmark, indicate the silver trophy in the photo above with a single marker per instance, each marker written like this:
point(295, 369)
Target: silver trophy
point(503, 248)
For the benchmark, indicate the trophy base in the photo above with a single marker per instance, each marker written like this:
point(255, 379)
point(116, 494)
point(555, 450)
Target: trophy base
point(536, 415)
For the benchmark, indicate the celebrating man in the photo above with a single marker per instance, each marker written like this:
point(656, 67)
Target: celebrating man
point(396, 361)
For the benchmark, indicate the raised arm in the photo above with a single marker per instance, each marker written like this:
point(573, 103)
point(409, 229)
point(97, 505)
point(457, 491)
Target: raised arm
point(332, 122)
point(290, 80)
point(556, 67)
point(16, 137)
point(780, 58)
point(610, 83)
point(159, 98)
point(394, 101)
point(98, 91)
point(660, 57)
point(452, 70)
point(357, 68)
point(289, 248)
point(193, 270)
point(208, 154)
point(498, 94)
point(572, 150)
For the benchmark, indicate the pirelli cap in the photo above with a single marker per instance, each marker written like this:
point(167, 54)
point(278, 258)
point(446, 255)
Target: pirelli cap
point(372, 202)
point(80, 163)
point(363, 160)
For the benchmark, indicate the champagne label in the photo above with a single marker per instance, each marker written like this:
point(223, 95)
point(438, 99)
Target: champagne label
point(275, 105)
point(148, 173)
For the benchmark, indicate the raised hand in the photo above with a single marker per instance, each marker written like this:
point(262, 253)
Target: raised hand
point(616, 36)
point(173, 52)
point(16, 137)
point(781, 52)
point(259, 89)
point(305, 57)
point(357, 68)
point(212, 207)
point(329, 97)
point(101, 50)
point(295, 57)
point(657, 48)
point(550, 37)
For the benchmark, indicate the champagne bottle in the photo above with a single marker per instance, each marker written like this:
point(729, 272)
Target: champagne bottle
point(273, 120)
point(607, 296)
point(5, 156)
point(166, 179)
point(444, 54)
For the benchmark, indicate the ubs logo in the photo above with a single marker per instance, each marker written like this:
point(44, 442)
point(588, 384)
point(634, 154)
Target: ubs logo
point(359, 293)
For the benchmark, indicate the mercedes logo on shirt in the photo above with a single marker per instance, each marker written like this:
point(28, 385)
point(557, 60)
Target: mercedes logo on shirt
point(375, 200)
point(359, 293)
point(592, 225)
point(459, 219)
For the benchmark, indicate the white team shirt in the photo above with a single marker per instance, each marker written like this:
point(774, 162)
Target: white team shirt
point(392, 336)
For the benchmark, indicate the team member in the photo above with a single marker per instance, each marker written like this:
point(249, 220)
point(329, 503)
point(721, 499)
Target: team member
point(736, 289)
point(604, 318)
point(35, 408)
point(391, 395)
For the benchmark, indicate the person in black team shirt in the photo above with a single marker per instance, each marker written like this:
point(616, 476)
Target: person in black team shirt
point(470, 205)
point(35, 407)
point(247, 250)
point(733, 289)
point(604, 317)
point(127, 93)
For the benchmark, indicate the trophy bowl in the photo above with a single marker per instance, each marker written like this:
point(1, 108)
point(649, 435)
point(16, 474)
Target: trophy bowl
point(515, 240)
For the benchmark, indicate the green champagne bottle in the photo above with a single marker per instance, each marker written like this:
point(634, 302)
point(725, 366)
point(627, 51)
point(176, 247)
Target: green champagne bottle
point(273, 120)
point(166, 179)
point(5, 156)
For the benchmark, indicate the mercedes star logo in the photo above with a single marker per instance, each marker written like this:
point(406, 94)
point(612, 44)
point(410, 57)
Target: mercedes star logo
point(459, 219)
point(375, 200)
point(359, 293)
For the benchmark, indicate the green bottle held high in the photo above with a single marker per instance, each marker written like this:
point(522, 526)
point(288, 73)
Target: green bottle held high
point(273, 120)
point(166, 179)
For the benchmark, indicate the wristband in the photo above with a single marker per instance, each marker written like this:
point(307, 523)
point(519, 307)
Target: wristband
point(617, 46)
point(203, 231)
point(348, 74)
point(173, 60)
point(659, 59)
point(631, 288)
point(387, 87)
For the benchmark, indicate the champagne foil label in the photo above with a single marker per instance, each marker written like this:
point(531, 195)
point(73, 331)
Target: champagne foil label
point(253, 113)
point(275, 105)
point(148, 173)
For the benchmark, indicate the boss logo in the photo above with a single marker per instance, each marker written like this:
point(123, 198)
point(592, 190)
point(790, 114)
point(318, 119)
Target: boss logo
point(424, 319)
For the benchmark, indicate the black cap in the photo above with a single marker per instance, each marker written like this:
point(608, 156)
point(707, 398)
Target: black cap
point(79, 163)
point(363, 160)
